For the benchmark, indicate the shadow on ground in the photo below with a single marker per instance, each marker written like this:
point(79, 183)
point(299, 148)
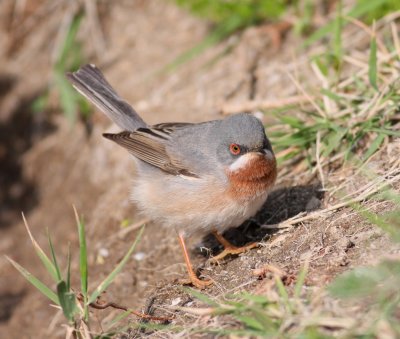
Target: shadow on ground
point(282, 204)
point(8, 302)
point(18, 133)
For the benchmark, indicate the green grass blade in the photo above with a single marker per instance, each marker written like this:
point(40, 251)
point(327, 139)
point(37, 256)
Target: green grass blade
point(69, 41)
point(250, 322)
point(35, 282)
point(337, 43)
point(374, 146)
point(202, 297)
point(68, 97)
point(300, 280)
point(116, 320)
point(109, 279)
point(69, 268)
point(82, 254)
point(361, 281)
point(263, 318)
point(333, 141)
point(357, 11)
point(372, 64)
point(53, 255)
point(83, 268)
point(258, 299)
point(221, 31)
point(67, 301)
point(292, 121)
point(190, 54)
point(331, 95)
point(283, 293)
point(40, 253)
point(319, 34)
point(384, 131)
point(389, 227)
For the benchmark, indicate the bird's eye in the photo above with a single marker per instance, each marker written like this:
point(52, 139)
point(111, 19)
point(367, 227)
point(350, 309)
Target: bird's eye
point(234, 149)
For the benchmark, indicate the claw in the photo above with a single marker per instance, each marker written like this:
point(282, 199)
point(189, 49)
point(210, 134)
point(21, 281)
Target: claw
point(196, 282)
point(230, 249)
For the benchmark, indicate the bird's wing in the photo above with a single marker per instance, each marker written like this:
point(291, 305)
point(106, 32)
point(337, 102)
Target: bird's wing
point(150, 146)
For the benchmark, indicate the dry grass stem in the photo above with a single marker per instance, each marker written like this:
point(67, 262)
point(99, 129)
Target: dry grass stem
point(370, 31)
point(95, 26)
point(308, 96)
point(368, 190)
point(329, 104)
point(318, 154)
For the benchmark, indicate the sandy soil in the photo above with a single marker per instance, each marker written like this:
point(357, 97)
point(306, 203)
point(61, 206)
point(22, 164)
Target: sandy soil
point(48, 165)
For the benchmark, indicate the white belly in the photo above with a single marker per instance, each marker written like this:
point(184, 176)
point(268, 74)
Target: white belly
point(189, 206)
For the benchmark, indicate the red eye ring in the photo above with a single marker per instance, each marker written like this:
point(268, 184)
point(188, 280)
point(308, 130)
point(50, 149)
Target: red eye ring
point(234, 149)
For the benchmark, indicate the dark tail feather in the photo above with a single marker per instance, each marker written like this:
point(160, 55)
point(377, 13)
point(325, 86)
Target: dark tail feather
point(90, 82)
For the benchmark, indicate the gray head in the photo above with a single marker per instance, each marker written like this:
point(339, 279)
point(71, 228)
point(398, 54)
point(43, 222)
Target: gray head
point(241, 134)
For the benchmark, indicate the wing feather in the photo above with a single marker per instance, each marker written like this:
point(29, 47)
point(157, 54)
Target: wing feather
point(149, 145)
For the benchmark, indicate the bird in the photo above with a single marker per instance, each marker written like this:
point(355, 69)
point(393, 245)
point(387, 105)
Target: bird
point(193, 178)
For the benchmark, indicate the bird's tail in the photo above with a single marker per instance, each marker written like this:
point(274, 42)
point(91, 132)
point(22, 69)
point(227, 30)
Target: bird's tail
point(90, 82)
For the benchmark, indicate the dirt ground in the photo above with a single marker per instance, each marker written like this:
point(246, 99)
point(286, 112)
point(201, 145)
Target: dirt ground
point(47, 165)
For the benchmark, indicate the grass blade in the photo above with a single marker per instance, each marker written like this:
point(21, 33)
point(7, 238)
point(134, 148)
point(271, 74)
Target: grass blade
point(374, 146)
point(69, 42)
point(361, 281)
point(69, 268)
point(67, 301)
point(300, 280)
point(331, 95)
point(389, 227)
point(333, 141)
point(262, 318)
point(82, 253)
point(68, 97)
point(283, 293)
point(372, 64)
point(337, 43)
point(40, 253)
point(250, 322)
point(116, 320)
point(109, 279)
point(35, 282)
point(258, 299)
point(82, 261)
point(384, 131)
point(54, 257)
point(202, 297)
point(357, 11)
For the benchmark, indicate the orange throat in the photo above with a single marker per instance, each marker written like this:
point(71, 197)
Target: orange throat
point(253, 177)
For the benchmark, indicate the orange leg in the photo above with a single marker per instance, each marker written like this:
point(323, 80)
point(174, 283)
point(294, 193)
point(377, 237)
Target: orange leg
point(229, 249)
point(192, 275)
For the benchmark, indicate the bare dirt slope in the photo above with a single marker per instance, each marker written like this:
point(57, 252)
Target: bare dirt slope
point(47, 167)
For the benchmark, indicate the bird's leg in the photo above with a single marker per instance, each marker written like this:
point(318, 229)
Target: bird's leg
point(229, 249)
point(192, 275)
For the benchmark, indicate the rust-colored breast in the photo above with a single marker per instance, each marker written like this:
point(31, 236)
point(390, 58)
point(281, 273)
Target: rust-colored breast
point(257, 177)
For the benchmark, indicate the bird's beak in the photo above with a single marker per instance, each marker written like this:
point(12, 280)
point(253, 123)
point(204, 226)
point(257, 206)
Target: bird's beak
point(266, 153)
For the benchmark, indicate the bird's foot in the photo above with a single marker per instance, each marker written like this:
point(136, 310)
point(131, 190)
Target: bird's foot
point(232, 250)
point(193, 279)
point(196, 282)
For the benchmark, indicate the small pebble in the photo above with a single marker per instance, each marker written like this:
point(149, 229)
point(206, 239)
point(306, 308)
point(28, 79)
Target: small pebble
point(142, 283)
point(139, 256)
point(176, 301)
point(104, 252)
